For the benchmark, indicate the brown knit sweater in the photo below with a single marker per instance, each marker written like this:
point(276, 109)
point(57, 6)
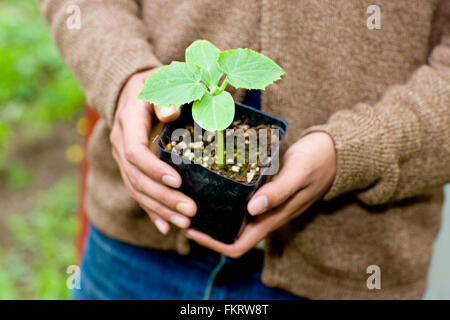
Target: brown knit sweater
point(383, 95)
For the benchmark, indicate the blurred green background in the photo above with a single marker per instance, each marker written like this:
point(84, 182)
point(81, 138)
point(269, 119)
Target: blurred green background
point(40, 104)
point(40, 112)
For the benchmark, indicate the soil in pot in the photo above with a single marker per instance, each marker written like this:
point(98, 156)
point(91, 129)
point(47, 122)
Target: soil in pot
point(246, 171)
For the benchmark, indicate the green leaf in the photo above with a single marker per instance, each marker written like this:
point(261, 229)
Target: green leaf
point(175, 84)
point(204, 54)
point(214, 112)
point(248, 69)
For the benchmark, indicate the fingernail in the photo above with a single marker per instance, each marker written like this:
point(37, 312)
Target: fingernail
point(162, 226)
point(166, 111)
point(258, 206)
point(180, 221)
point(185, 208)
point(170, 181)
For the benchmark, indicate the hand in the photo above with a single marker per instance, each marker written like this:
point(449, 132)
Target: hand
point(308, 170)
point(149, 180)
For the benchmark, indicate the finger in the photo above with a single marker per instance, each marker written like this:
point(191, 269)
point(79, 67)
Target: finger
point(258, 229)
point(250, 236)
point(230, 250)
point(150, 205)
point(167, 114)
point(166, 198)
point(135, 128)
point(170, 198)
point(288, 181)
point(141, 187)
point(159, 222)
point(287, 211)
point(137, 181)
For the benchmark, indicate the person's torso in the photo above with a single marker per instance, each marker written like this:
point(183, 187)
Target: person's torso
point(333, 60)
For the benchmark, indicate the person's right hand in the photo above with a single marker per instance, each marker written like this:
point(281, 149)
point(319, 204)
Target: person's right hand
point(149, 180)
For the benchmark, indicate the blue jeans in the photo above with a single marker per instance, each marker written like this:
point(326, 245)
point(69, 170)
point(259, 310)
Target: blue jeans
point(113, 269)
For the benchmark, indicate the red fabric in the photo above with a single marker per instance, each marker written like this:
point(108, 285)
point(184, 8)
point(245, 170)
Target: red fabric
point(92, 118)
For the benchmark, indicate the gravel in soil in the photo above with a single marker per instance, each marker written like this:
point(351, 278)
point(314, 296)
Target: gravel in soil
point(252, 146)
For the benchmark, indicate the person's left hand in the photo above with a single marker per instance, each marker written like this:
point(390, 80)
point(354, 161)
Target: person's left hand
point(308, 170)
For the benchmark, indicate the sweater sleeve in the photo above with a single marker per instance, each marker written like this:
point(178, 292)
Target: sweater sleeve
point(399, 147)
point(108, 47)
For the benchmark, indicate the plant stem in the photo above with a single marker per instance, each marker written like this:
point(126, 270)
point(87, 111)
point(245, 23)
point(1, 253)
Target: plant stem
point(223, 86)
point(220, 149)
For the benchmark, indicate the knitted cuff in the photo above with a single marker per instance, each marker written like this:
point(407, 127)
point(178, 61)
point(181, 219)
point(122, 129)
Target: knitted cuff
point(363, 153)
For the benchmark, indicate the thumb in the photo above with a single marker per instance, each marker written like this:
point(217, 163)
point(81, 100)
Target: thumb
point(284, 185)
point(167, 114)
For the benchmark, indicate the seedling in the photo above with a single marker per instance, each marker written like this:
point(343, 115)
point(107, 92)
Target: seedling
point(202, 80)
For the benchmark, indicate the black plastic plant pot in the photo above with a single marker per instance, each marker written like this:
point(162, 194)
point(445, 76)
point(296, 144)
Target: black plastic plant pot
point(221, 201)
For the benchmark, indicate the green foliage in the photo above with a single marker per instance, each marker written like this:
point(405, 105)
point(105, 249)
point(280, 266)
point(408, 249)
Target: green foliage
point(36, 89)
point(18, 176)
point(249, 69)
point(205, 55)
point(214, 112)
point(181, 83)
point(175, 84)
point(35, 266)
